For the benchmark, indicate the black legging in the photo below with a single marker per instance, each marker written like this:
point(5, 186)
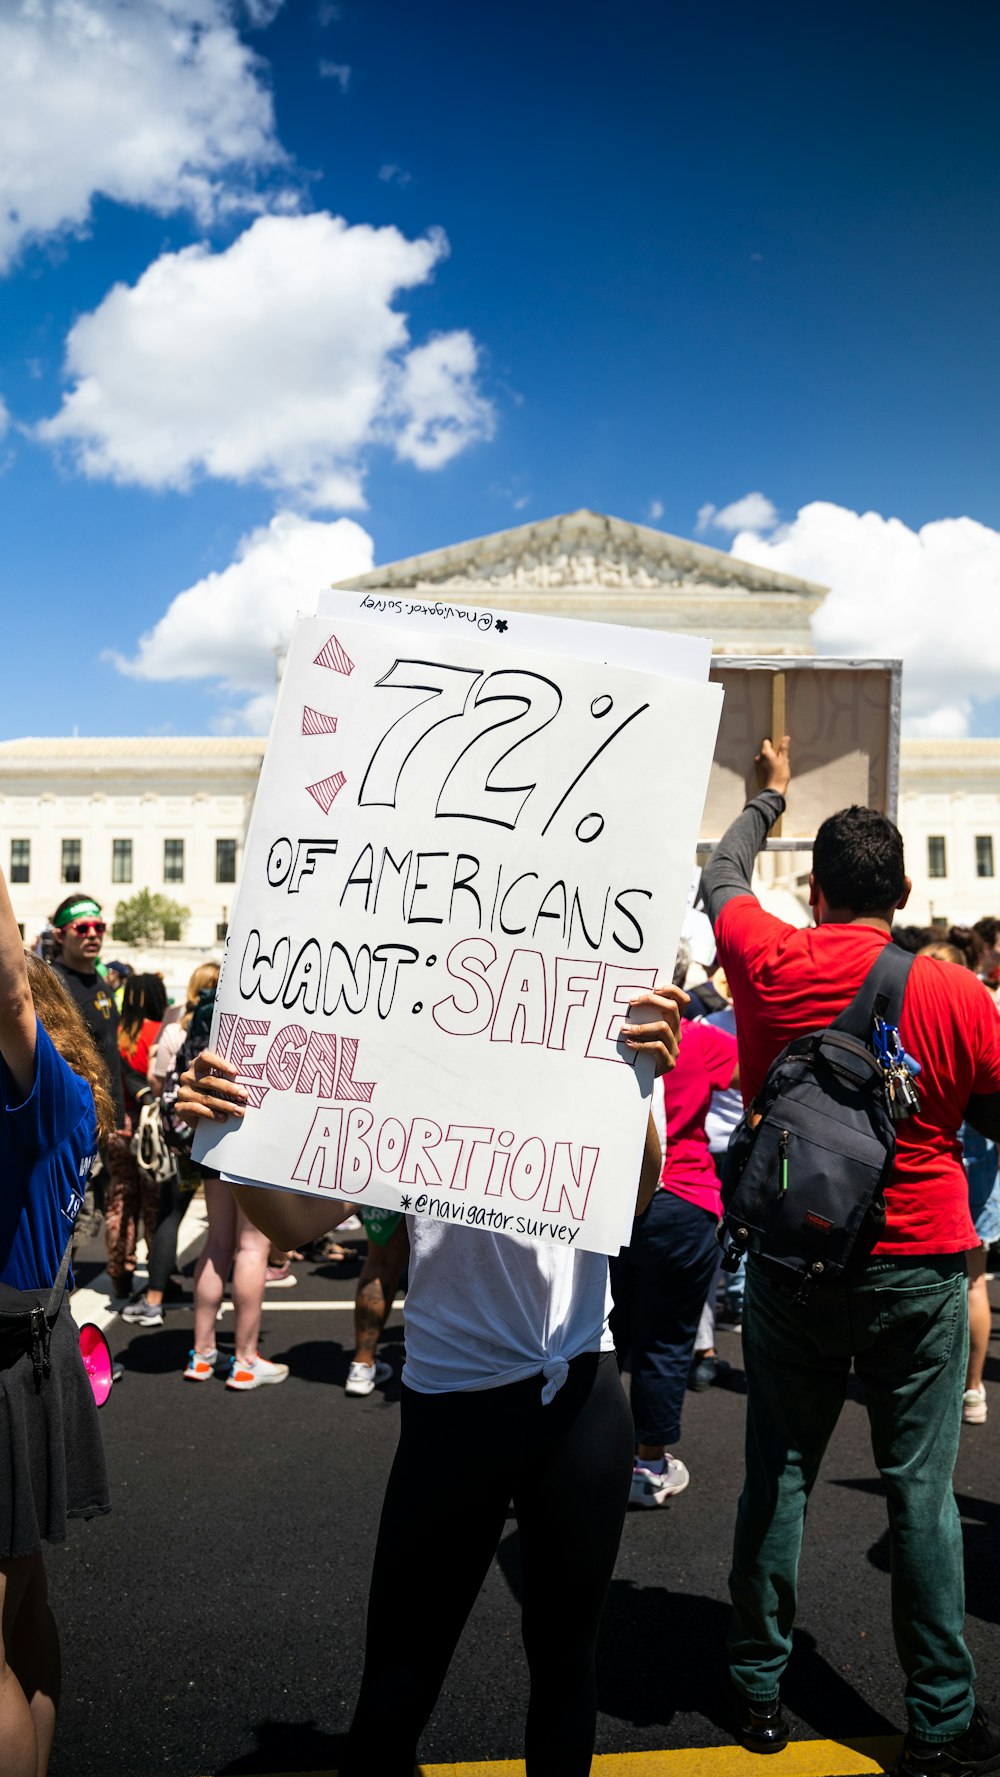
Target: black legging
point(163, 1246)
point(567, 1467)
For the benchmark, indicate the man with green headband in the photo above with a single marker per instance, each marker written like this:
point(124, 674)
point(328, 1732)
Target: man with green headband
point(79, 934)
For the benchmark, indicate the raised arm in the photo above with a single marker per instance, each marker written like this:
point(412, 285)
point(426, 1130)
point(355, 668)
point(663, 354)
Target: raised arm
point(729, 870)
point(17, 1010)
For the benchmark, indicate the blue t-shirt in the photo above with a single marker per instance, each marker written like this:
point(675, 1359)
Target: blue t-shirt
point(47, 1147)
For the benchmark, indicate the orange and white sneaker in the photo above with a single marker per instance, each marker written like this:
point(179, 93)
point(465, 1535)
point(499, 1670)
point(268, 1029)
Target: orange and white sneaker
point(201, 1365)
point(255, 1373)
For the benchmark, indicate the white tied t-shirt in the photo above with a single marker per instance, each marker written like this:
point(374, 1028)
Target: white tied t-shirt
point(483, 1309)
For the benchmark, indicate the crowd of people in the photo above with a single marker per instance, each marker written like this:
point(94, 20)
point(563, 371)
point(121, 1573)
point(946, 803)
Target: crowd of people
point(522, 1348)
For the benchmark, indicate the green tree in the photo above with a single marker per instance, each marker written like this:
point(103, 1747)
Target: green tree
point(149, 919)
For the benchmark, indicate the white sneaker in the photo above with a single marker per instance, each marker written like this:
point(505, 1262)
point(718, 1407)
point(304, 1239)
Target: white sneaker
point(649, 1489)
point(255, 1373)
point(363, 1378)
point(974, 1406)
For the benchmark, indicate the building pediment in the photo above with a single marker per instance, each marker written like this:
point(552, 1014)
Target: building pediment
point(579, 552)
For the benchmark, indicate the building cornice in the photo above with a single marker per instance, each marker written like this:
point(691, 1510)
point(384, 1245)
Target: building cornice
point(584, 552)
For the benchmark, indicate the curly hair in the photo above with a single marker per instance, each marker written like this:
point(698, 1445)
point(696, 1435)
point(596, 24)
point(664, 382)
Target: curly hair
point(63, 1022)
point(858, 861)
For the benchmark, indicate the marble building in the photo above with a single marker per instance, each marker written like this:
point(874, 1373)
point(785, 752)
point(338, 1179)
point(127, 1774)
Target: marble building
point(170, 814)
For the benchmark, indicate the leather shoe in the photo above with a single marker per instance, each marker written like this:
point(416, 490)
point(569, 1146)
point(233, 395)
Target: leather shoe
point(760, 1727)
point(975, 1751)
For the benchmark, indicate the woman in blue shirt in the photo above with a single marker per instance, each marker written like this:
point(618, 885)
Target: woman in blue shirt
point(54, 1106)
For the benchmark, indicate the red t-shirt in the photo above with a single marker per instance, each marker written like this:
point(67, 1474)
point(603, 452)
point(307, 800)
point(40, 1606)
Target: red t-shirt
point(786, 983)
point(706, 1061)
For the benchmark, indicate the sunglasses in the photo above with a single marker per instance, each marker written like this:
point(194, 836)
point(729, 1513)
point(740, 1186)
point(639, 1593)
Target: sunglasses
point(85, 928)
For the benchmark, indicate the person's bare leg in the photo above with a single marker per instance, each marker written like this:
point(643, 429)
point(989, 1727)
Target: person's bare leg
point(35, 1658)
point(212, 1268)
point(377, 1288)
point(980, 1317)
point(249, 1273)
point(18, 1737)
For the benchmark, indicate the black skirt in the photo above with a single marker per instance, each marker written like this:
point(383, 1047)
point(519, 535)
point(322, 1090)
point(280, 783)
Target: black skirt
point(51, 1451)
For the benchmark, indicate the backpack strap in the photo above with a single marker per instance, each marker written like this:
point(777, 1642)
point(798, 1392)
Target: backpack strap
point(54, 1302)
point(880, 994)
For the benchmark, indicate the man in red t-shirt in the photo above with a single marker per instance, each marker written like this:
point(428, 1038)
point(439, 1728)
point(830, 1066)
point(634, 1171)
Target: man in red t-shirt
point(900, 1318)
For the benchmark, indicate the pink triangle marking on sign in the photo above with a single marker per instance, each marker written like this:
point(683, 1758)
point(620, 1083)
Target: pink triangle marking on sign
point(333, 655)
point(326, 790)
point(317, 722)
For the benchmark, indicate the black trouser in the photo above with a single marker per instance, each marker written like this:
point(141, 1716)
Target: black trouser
point(567, 1467)
point(163, 1247)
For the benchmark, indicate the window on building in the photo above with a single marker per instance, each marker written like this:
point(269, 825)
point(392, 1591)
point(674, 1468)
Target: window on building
point(984, 854)
point(221, 930)
point(937, 861)
point(121, 860)
point(225, 860)
point(20, 860)
point(173, 860)
point(72, 860)
point(171, 931)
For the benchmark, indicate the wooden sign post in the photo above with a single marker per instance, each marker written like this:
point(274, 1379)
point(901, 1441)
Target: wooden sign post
point(843, 717)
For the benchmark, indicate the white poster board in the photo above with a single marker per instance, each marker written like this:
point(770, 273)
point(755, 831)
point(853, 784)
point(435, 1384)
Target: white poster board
point(471, 844)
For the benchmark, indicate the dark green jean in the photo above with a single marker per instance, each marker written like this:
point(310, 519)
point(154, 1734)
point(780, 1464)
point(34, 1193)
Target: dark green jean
point(904, 1326)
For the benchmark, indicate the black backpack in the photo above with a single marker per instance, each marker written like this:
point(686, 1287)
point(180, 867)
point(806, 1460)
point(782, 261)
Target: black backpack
point(807, 1164)
point(177, 1134)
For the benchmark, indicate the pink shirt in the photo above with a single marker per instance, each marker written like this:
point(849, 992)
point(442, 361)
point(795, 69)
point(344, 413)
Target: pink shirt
point(706, 1062)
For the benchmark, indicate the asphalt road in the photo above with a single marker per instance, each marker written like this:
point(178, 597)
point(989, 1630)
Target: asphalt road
point(213, 1624)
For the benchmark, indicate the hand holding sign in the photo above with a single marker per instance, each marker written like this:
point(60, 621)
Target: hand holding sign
point(426, 984)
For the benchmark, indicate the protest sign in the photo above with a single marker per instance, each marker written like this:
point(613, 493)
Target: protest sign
point(469, 848)
point(844, 720)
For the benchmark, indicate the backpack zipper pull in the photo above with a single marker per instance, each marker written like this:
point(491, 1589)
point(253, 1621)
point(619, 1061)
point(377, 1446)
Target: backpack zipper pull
point(783, 1151)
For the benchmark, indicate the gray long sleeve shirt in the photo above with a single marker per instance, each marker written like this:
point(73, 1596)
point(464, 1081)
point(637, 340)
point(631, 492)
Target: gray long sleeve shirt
point(730, 868)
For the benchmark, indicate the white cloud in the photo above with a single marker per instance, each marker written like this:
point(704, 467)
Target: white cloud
point(150, 102)
point(753, 513)
point(655, 510)
point(279, 360)
point(929, 597)
point(261, 13)
point(228, 625)
point(437, 402)
point(338, 71)
point(4, 416)
point(390, 174)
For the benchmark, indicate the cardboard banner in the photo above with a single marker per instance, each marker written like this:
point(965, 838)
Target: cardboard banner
point(844, 719)
point(468, 850)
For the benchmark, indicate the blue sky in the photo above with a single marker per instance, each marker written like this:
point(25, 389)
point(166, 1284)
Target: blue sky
point(693, 255)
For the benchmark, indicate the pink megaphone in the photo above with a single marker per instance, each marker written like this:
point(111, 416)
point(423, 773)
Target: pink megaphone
point(96, 1356)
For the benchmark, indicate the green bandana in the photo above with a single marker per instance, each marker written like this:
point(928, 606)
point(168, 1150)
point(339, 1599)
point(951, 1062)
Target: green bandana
point(82, 909)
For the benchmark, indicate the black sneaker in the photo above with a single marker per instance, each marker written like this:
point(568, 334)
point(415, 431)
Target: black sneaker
point(760, 1727)
point(975, 1751)
point(707, 1372)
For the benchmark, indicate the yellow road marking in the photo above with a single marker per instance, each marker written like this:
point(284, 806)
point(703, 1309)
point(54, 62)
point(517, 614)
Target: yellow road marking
point(803, 1758)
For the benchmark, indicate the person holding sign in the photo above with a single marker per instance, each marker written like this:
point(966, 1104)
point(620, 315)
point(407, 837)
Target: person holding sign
point(55, 1105)
point(897, 1314)
point(510, 1392)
